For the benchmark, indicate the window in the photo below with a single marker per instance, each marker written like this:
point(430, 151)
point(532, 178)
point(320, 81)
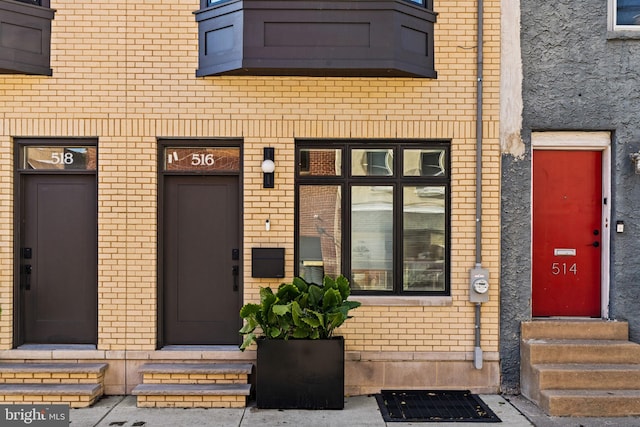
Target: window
point(625, 14)
point(377, 212)
point(34, 2)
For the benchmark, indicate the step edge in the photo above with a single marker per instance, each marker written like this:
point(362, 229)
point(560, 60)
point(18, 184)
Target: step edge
point(191, 389)
point(186, 368)
point(51, 389)
point(54, 367)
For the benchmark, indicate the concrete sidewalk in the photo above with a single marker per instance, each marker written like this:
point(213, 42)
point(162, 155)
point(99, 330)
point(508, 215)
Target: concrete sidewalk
point(121, 411)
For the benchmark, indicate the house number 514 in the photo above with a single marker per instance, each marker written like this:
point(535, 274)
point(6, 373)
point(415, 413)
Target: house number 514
point(563, 268)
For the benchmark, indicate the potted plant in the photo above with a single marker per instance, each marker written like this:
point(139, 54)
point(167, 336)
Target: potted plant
point(300, 363)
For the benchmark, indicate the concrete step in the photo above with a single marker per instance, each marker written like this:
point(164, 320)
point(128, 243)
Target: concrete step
point(540, 351)
point(592, 329)
point(587, 376)
point(196, 368)
point(187, 385)
point(192, 395)
point(77, 384)
point(76, 395)
point(192, 389)
point(591, 403)
point(54, 373)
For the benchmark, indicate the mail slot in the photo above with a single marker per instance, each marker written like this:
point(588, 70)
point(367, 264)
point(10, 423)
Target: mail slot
point(267, 262)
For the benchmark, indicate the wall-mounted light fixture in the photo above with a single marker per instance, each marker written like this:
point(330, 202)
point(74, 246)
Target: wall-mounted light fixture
point(635, 158)
point(268, 167)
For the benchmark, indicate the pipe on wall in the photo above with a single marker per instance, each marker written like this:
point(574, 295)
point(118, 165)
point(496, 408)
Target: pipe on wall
point(477, 354)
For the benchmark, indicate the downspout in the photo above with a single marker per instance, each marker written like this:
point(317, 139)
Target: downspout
point(477, 354)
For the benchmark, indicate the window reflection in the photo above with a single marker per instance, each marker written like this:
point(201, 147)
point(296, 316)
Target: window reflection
point(424, 163)
point(320, 232)
point(320, 162)
point(372, 162)
point(424, 238)
point(372, 237)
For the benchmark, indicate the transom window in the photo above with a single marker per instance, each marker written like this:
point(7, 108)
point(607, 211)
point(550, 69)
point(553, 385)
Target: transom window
point(375, 211)
point(625, 14)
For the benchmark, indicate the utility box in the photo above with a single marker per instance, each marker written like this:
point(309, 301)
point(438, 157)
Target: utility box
point(479, 285)
point(267, 262)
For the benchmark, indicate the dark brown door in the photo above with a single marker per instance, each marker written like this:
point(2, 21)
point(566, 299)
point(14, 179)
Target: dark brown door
point(201, 265)
point(58, 259)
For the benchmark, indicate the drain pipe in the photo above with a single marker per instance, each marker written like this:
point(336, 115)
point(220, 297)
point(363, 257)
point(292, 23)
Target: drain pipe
point(477, 353)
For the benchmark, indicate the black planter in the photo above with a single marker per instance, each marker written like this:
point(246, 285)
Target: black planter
point(300, 374)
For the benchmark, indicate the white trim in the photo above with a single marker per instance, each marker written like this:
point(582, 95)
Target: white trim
point(594, 141)
point(570, 140)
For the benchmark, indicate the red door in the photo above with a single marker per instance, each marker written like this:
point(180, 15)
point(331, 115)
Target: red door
point(567, 220)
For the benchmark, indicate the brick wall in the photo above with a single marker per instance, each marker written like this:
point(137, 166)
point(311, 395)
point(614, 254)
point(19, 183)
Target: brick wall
point(124, 73)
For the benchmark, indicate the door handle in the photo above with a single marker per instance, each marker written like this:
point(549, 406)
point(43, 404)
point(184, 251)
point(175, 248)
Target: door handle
point(235, 271)
point(26, 276)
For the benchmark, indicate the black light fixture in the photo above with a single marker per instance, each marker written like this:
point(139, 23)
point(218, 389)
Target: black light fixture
point(268, 168)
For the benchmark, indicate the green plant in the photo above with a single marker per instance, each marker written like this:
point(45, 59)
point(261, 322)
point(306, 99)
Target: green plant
point(298, 310)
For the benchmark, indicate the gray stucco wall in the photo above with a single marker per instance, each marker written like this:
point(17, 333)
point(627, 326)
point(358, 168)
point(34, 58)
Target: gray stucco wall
point(576, 76)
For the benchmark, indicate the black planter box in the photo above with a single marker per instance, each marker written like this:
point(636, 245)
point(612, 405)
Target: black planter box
point(300, 374)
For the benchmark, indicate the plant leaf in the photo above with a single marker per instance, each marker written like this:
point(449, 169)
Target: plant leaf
point(249, 310)
point(331, 299)
point(315, 295)
point(287, 292)
point(281, 309)
point(301, 284)
point(248, 340)
point(343, 287)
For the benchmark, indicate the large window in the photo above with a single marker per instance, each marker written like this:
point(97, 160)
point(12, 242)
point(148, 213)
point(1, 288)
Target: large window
point(625, 14)
point(375, 211)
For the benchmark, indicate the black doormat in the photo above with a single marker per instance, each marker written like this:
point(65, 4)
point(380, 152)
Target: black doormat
point(434, 406)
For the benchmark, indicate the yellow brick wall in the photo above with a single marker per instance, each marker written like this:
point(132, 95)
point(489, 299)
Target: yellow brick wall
point(124, 73)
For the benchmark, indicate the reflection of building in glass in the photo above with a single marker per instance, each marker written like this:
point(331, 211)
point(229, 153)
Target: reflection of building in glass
point(59, 158)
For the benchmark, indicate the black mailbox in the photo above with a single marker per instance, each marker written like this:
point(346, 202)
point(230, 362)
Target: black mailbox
point(267, 262)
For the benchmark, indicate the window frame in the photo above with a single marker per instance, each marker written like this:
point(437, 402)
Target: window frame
point(613, 18)
point(346, 180)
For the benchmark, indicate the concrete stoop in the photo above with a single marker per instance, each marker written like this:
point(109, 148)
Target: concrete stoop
point(77, 384)
point(580, 368)
point(194, 385)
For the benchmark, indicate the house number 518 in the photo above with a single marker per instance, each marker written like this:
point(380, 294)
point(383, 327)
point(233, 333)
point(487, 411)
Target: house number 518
point(563, 268)
point(62, 158)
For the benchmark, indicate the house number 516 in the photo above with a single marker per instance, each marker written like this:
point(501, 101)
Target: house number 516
point(198, 159)
point(563, 268)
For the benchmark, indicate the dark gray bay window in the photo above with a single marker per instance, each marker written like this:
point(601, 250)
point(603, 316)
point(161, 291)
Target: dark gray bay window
point(376, 211)
point(360, 38)
point(25, 36)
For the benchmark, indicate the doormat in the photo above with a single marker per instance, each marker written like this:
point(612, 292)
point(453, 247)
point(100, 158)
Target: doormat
point(433, 406)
